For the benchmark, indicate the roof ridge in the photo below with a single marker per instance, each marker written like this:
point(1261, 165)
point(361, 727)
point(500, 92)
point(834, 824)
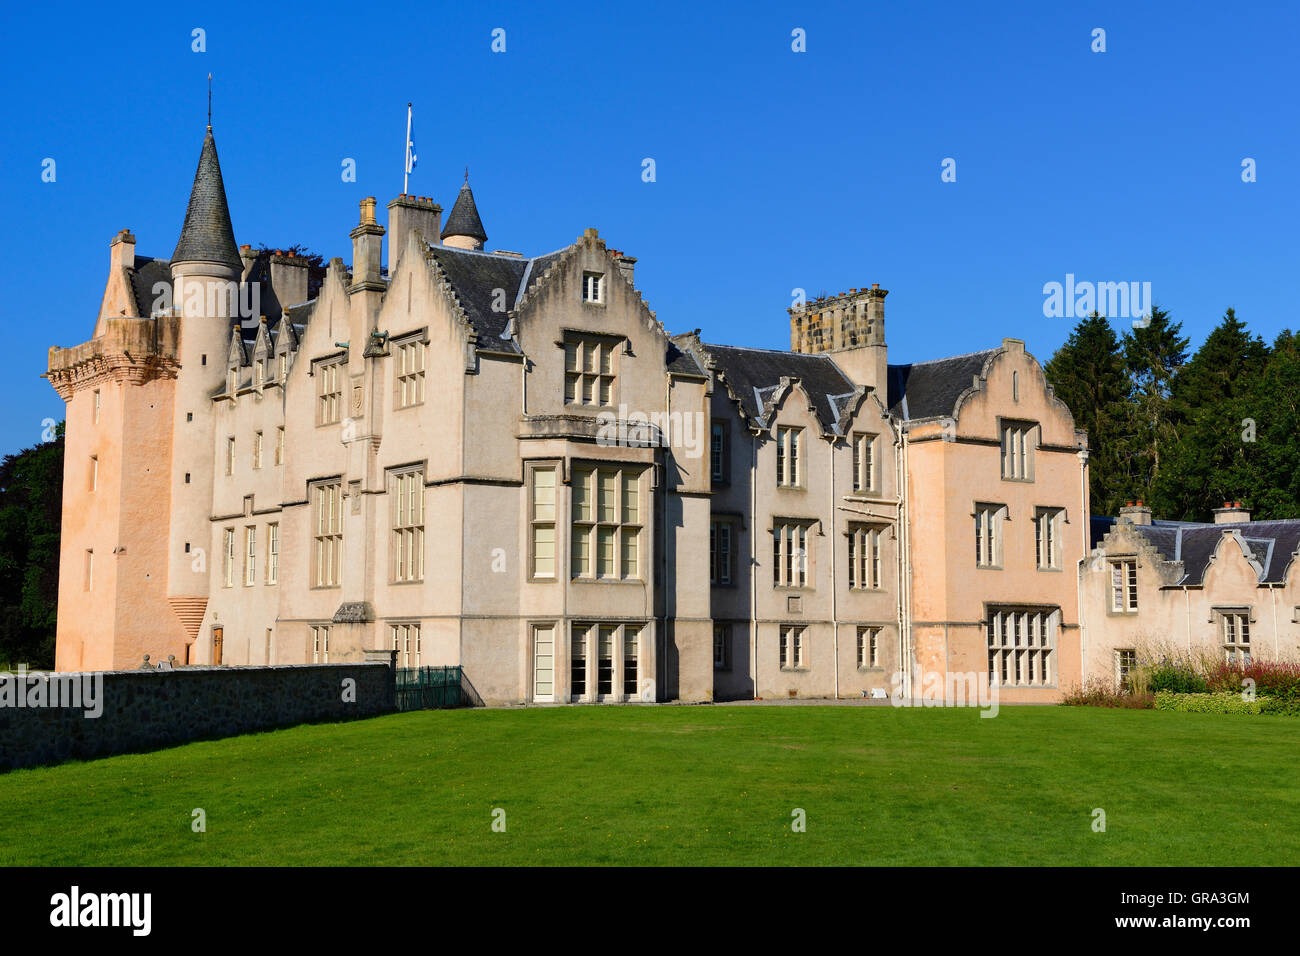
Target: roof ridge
point(435, 246)
point(754, 348)
point(947, 358)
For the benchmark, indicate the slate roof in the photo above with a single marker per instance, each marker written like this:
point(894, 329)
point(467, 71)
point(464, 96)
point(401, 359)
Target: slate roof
point(463, 219)
point(930, 389)
point(754, 374)
point(475, 277)
point(1271, 543)
point(207, 235)
point(147, 272)
point(683, 363)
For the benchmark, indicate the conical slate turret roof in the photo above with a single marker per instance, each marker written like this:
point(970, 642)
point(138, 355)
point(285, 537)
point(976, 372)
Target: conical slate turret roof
point(207, 235)
point(464, 220)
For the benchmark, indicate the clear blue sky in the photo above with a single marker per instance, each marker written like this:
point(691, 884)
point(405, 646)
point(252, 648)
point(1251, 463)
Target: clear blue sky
point(775, 169)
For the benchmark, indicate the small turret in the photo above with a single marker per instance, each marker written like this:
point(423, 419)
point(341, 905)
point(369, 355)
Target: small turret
point(207, 235)
point(464, 229)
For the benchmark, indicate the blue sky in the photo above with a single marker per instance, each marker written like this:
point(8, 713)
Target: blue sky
point(775, 170)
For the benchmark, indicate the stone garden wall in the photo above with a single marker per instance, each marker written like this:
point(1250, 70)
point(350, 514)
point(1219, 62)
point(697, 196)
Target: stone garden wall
point(147, 709)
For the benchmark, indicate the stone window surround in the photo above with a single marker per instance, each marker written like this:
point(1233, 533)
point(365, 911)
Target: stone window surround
point(623, 471)
point(1062, 519)
point(1001, 516)
point(531, 466)
point(339, 359)
point(618, 344)
point(394, 345)
point(1111, 561)
point(813, 529)
point(1032, 439)
point(869, 631)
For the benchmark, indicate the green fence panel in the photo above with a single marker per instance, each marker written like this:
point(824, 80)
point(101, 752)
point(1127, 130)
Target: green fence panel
point(428, 688)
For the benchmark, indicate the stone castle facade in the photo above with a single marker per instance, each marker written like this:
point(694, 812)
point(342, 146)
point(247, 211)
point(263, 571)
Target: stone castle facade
point(504, 462)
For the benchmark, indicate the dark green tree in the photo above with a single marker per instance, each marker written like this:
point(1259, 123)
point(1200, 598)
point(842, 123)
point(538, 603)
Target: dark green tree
point(31, 503)
point(1213, 397)
point(1154, 352)
point(1273, 471)
point(1087, 373)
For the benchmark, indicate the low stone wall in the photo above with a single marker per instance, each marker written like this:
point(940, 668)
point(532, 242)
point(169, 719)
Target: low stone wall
point(147, 709)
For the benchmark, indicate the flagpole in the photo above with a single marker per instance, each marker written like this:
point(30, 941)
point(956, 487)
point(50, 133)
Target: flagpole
point(406, 165)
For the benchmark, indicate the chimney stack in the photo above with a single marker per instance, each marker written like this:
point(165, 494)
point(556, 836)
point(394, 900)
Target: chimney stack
point(289, 279)
point(411, 212)
point(121, 250)
point(367, 245)
point(1137, 513)
point(1231, 513)
point(626, 265)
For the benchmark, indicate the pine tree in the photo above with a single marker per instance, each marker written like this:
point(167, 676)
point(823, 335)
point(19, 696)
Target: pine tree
point(1087, 373)
point(1153, 355)
point(1213, 395)
point(1273, 472)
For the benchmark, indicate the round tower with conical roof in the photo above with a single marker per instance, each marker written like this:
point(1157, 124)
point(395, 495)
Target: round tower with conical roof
point(206, 270)
point(464, 228)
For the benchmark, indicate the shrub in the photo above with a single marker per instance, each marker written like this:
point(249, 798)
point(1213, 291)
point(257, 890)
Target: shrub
point(1272, 678)
point(1211, 703)
point(1100, 693)
point(1177, 678)
point(1280, 706)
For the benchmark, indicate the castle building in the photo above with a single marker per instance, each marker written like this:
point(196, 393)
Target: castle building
point(504, 462)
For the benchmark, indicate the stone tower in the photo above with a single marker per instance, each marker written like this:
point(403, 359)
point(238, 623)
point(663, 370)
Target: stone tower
point(851, 326)
point(139, 443)
point(206, 270)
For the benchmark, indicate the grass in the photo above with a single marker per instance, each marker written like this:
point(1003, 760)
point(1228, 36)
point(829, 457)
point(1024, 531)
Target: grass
point(684, 785)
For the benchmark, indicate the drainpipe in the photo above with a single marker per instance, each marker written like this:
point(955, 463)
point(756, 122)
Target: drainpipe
point(1273, 592)
point(904, 562)
point(1187, 600)
point(1085, 534)
point(835, 617)
point(661, 640)
point(753, 575)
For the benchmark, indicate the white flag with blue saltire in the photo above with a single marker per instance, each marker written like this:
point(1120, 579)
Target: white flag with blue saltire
point(410, 150)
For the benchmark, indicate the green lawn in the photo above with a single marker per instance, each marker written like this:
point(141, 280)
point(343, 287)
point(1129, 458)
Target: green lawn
point(685, 785)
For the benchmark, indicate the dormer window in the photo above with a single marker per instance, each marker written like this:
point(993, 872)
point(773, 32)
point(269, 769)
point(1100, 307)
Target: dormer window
point(284, 366)
point(593, 287)
point(232, 381)
point(259, 372)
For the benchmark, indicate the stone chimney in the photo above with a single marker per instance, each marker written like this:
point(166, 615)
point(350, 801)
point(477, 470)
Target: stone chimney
point(248, 258)
point(1231, 513)
point(411, 212)
point(1136, 512)
point(121, 251)
point(367, 247)
point(851, 325)
point(626, 265)
point(289, 279)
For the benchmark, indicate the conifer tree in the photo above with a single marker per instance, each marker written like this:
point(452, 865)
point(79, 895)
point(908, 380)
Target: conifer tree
point(1153, 355)
point(1212, 397)
point(1087, 373)
point(1271, 434)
